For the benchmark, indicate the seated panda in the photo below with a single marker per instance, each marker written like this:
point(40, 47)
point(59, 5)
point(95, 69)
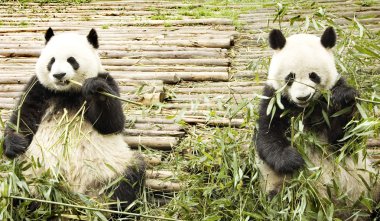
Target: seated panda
point(301, 68)
point(72, 130)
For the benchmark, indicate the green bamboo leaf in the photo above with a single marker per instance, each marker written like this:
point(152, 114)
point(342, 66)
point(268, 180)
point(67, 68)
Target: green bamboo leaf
point(341, 112)
point(326, 118)
point(270, 105)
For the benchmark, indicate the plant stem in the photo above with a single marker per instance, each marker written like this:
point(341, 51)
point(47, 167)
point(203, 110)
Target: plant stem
point(366, 100)
point(91, 208)
point(110, 95)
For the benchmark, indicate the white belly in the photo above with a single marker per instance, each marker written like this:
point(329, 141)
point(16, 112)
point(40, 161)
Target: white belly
point(68, 145)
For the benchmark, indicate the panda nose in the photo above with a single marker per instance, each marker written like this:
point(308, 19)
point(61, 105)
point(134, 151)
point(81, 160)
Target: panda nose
point(305, 98)
point(59, 76)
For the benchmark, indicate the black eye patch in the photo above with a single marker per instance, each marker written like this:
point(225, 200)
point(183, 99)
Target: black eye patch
point(289, 79)
point(51, 62)
point(315, 78)
point(73, 63)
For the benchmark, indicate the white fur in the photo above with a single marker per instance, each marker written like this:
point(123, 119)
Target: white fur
point(302, 54)
point(346, 174)
point(61, 47)
point(68, 145)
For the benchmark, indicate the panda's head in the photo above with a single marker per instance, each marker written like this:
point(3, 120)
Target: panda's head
point(302, 65)
point(68, 56)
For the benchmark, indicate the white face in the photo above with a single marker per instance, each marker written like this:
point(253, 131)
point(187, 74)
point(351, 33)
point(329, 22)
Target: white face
point(305, 66)
point(67, 56)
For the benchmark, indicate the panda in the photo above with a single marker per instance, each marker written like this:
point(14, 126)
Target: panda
point(302, 67)
point(73, 131)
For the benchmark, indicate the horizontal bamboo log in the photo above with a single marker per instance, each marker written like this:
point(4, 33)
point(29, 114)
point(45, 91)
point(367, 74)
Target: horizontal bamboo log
point(153, 133)
point(220, 90)
point(159, 174)
point(157, 127)
point(373, 142)
point(152, 98)
point(160, 143)
point(214, 122)
point(152, 161)
point(129, 62)
point(163, 185)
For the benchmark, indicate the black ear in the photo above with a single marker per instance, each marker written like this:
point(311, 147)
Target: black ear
point(328, 38)
point(49, 33)
point(276, 39)
point(92, 37)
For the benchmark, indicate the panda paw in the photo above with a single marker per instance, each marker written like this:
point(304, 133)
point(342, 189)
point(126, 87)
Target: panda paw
point(287, 161)
point(92, 86)
point(14, 145)
point(344, 97)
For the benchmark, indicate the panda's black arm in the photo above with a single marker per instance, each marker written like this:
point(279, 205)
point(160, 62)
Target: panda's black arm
point(105, 113)
point(342, 96)
point(271, 143)
point(32, 106)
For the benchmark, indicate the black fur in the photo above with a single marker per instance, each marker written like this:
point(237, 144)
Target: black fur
point(276, 39)
point(315, 77)
point(289, 79)
point(92, 38)
point(129, 188)
point(73, 62)
point(50, 64)
point(342, 96)
point(272, 143)
point(104, 113)
point(328, 38)
point(48, 35)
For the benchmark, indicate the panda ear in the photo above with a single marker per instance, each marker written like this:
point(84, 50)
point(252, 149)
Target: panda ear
point(328, 38)
point(276, 39)
point(49, 33)
point(92, 38)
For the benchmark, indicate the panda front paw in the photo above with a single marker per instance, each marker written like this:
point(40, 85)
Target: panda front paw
point(92, 86)
point(14, 145)
point(287, 161)
point(344, 97)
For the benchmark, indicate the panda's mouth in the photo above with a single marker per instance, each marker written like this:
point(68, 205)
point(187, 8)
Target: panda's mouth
point(62, 82)
point(302, 104)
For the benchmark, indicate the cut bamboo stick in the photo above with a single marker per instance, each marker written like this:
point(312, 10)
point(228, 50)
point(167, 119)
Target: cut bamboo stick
point(373, 142)
point(152, 161)
point(152, 98)
point(160, 143)
point(158, 127)
point(159, 174)
point(163, 185)
point(153, 133)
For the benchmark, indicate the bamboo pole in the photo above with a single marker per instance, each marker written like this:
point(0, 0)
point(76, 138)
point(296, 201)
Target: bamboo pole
point(159, 174)
point(160, 143)
point(153, 133)
point(163, 185)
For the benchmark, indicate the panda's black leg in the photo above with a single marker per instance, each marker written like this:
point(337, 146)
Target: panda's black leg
point(272, 144)
point(130, 187)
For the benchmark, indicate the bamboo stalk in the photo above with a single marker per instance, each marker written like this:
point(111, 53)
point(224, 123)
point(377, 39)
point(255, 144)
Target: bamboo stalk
point(160, 143)
point(137, 132)
point(158, 127)
point(110, 95)
point(159, 174)
point(163, 185)
point(373, 142)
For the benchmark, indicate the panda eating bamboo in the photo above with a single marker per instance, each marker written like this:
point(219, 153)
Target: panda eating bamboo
point(74, 131)
point(301, 68)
